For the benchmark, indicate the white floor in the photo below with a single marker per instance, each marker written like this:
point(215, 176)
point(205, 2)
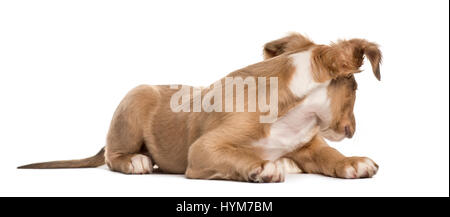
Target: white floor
point(102, 182)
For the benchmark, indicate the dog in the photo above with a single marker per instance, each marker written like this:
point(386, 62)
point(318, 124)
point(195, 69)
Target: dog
point(314, 91)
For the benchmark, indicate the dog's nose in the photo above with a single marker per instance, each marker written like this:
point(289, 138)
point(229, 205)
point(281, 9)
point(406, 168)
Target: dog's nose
point(348, 131)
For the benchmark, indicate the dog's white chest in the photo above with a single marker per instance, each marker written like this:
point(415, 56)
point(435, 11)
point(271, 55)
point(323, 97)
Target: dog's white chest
point(296, 128)
point(288, 133)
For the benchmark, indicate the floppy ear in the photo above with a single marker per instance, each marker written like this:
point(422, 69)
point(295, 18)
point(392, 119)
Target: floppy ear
point(289, 43)
point(371, 51)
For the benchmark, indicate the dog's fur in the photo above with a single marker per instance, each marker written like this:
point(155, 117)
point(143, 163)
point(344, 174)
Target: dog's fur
point(316, 95)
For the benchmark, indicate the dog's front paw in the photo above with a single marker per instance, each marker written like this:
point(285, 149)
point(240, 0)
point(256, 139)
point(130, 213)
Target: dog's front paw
point(356, 167)
point(269, 172)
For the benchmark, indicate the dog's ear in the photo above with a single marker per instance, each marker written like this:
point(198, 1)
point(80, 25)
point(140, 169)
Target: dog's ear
point(289, 43)
point(371, 51)
point(345, 58)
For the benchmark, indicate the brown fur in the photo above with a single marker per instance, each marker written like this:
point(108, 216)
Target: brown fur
point(344, 58)
point(217, 145)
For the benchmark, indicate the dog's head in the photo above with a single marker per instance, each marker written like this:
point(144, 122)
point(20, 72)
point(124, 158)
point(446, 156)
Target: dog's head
point(336, 63)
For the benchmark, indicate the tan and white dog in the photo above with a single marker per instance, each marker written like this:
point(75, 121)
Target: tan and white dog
point(315, 91)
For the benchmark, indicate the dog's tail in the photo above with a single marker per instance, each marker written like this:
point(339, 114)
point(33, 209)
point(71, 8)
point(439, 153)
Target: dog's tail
point(94, 161)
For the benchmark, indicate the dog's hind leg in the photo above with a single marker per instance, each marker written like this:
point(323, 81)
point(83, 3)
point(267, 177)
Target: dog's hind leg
point(125, 137)
point(214, 156)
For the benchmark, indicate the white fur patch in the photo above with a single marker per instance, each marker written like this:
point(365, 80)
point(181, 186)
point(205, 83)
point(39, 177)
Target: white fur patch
point(332, 135)
point(300, 124)
point(364, 168)
point(367, 167)
point(289, 165)
point(350, 172)
point(302, 81)
point(297, 127)
point(140, 164)
point(270, 172)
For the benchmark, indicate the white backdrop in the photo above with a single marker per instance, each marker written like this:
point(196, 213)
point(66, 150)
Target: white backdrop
point(65, 65)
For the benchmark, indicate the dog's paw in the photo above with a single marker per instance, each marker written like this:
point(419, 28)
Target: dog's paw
point(269, 172)
point(140, 164)
point(356, 167)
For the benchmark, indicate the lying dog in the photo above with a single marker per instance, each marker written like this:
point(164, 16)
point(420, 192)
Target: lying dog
point(314, 93)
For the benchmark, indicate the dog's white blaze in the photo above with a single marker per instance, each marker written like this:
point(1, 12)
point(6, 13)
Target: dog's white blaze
point(302, 81)
point(297, 127)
